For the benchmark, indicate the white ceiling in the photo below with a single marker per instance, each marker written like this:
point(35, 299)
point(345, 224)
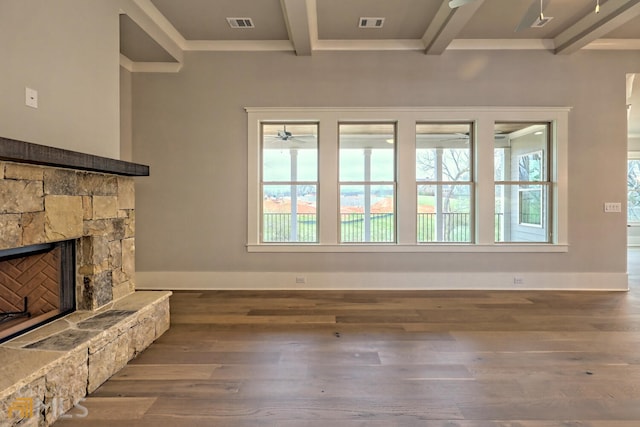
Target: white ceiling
point(154, 34)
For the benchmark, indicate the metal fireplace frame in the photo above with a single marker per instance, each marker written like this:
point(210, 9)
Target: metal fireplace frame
point(67, 281)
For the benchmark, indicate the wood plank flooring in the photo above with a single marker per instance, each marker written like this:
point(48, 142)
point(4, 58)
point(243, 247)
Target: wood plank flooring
point(436, 359)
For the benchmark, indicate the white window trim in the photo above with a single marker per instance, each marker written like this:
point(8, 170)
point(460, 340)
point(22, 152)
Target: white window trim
point(484, 119)
point(633, 155)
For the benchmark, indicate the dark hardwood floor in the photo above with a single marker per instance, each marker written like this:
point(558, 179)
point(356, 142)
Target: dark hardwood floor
point(441, 359)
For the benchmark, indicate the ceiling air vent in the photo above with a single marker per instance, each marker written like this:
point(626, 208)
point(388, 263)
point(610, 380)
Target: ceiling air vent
point(371, 22)
point(541, 21)
point(240, 22)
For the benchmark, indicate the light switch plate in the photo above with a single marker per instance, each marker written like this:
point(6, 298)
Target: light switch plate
point(612, 207)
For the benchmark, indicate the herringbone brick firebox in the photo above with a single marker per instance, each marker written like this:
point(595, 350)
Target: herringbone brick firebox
point(35, 277)
point(36, 285)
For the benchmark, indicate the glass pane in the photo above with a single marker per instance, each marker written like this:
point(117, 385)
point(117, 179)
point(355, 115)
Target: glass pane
point(633, 191)
point(444, 213)
point(443, 152)
point(520, 152)
point(530, 205)
point(289, 213)
point(367, 152)
point(367, 213)
point(289, 152)
point(521, 213)
point(499, 163)
point(530, 167)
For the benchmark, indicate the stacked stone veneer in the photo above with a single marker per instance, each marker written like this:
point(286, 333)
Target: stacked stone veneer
point(41, 204)
point(58, 364)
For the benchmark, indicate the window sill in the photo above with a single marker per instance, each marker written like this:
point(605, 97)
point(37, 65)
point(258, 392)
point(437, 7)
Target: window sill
point(395, 248)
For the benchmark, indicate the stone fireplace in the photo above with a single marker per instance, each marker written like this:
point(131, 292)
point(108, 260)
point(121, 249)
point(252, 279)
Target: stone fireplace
point(49, 196)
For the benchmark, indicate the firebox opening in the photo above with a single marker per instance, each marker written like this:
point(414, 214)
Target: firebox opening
point(37, 285)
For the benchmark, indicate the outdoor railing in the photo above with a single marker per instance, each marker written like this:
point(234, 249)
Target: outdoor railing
point(277, 227)
point(380, 228)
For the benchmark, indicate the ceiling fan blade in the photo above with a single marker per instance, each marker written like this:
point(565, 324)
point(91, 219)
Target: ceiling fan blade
point(531, 15)
point(457, 3)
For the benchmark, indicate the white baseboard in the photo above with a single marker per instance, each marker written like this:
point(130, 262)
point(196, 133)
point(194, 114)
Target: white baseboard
point(234, 280)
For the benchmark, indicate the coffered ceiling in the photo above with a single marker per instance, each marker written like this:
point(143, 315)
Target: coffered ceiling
point(154, 34)
point(168, 27)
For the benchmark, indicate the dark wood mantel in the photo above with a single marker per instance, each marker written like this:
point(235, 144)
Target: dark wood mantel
point(25, 152)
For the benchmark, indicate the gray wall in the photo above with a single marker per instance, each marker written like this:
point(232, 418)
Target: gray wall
point(192, 129)
point(126, 125)
point(68, 51)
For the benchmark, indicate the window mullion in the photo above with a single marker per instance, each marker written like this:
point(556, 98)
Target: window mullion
point(406, 176)
point(485, 188)
point(329, 220)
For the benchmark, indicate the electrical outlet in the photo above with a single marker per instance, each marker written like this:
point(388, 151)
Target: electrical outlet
point(518, 280)
point(301, 279)
point(610, 207)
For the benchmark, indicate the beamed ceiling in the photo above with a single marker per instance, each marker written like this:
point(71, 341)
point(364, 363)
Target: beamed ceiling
point(154, 34)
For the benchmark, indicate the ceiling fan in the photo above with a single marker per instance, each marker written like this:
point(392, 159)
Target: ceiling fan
point(285, 135)
point(533, 18)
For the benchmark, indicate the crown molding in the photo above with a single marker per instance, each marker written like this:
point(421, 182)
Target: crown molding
point(369, 45)
point(502, 44)
point(238, 45)
point(614, 44)
point(149, 67)
point(400, 45)
point(126, 63)
point(157, 67)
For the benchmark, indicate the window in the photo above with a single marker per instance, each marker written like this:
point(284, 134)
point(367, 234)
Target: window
point(443, 174)
point(633, 188)
point(530, 210)
point(522, 182)
point(367, 182)
point(289, 182)
point(455, 179)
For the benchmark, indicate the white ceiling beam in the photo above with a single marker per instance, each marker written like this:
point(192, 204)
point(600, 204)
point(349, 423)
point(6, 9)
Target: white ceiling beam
point(297, 17)
point(613, 14)
point(152, 22)
point(446, 25)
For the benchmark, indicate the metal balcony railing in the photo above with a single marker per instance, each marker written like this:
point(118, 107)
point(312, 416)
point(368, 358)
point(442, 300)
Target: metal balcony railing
point(456, 227)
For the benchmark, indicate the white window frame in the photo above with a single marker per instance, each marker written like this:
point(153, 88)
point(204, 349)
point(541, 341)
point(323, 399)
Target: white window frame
point(483, 118)
point(291, 183)
point(368, 183)
point(439, 183)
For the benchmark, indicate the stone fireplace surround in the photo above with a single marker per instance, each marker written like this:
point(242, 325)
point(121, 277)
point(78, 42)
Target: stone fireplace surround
point(49, 195)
